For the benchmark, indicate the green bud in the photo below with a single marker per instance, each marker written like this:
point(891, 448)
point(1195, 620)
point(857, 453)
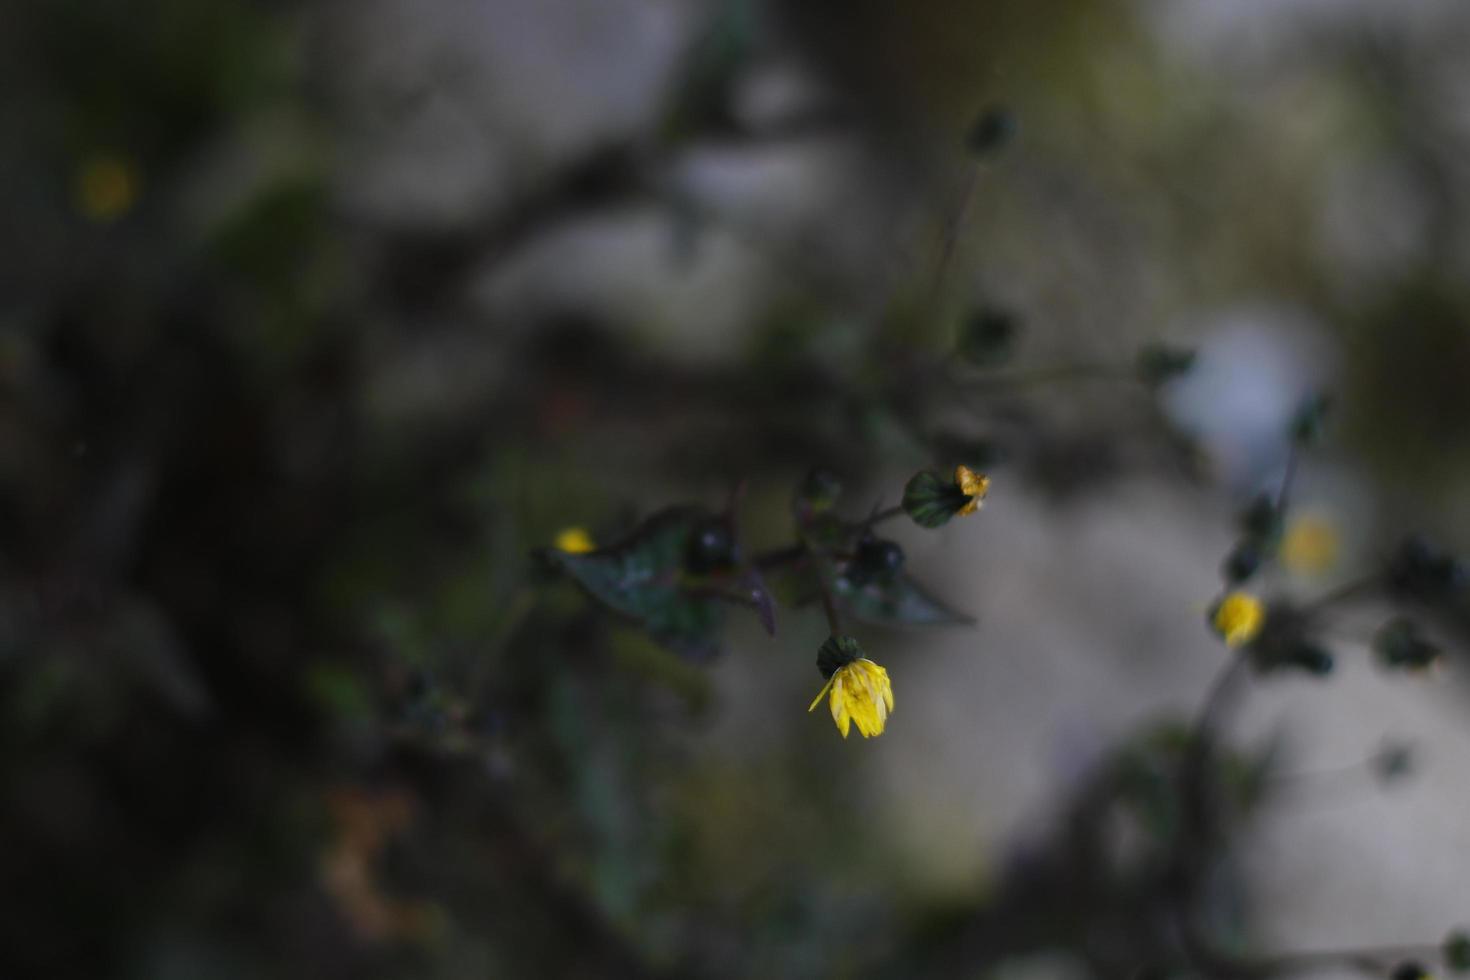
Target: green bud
point(1311, 658)
point(1399, 643)
point(1261, 520)
point(1241, 563)
point(711, 546)
point(1418, 570)
point(877, 560)
point(931, 500)
point(988, 337)
point(1158, 363)
point(837, 651)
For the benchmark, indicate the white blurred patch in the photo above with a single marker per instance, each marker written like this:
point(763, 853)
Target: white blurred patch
point(1255, 368)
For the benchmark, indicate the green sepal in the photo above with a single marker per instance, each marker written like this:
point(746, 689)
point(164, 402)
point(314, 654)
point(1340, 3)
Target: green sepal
point(837, 651)
point(931, 500)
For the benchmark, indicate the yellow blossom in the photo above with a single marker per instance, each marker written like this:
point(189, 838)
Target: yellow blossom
point(861, 693)
point(1238, 618)
point(575, 541)
point(1310, 545)
point(973, 485)
point(105, 187)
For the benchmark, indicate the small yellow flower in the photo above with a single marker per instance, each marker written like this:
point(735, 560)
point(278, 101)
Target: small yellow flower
point(575, 541)
point(862, 693)
point(105, 187)
point(1238, 618)
point(1310, 545)
point(973, 485)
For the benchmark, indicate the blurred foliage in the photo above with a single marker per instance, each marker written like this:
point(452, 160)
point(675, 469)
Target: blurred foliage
point(291, 682)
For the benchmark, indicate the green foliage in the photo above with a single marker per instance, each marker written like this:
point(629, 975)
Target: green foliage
point(896, 601)
point(646, 578)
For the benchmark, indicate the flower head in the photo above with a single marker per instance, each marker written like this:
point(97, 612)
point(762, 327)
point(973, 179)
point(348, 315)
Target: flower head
point(1238, 618)
point(574, 541)
point(860, 689)
point(973, 485)
point(1310, 545)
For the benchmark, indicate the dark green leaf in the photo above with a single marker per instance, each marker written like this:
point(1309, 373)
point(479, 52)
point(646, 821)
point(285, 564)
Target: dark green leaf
point(899, 601)
point(644, 578)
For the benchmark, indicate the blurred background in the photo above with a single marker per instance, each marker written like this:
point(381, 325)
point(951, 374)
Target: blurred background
point(317, 320)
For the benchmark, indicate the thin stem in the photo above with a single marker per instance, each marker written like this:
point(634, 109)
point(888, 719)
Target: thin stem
point(952, 230)
point(776, 557)
point(1287, 479)
point(883, 515)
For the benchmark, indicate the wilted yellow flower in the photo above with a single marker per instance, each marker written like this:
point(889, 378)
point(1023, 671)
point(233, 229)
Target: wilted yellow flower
point(861, 693)
point(1310, 545)
point(105, 188)
point(575, 541)
point(973, 485)
point(1238, 618)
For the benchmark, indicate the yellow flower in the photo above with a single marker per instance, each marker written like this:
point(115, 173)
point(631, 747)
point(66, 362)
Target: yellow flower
point(575, 541)
point(1238, 618)
point(973, 485)
point(1310, 545)
point(105, 187)
point(862, 693)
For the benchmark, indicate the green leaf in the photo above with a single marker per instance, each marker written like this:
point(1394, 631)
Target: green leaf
point(643, 577)
point(931, 500)
point(898, 601)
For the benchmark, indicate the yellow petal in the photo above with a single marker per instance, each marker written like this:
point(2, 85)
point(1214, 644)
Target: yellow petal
point(818, 700)
point(575, 541)
point(1238, 618)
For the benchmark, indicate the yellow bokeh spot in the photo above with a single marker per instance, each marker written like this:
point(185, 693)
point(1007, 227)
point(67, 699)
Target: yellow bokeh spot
point(105, 187)
point(1239, 618)
point(1310, 545)
point(575, 541)
point(861, 694)
point(973, 485)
